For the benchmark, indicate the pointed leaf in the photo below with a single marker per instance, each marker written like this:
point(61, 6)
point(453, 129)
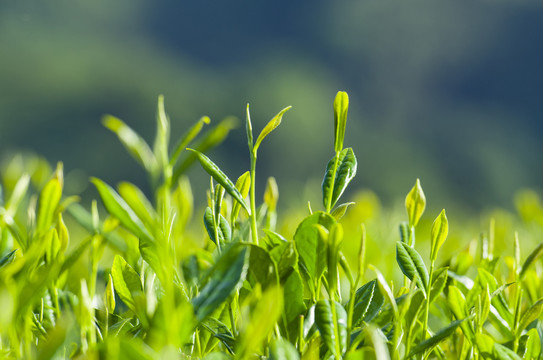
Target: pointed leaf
point(415, 203)
point(188, 137)
point(109, 295)
point(126, 281)
point(441, 335)
point(534, 255)
point(311, 248)
point(340, 170)
point(341, 107)
point(207, 141)
point(368, 301)
point(341, 210)
point(270, 126)
point(412, 265)
point(162, 139)
point(136, 146)
point(49, 200)
point(334, 333)
point(222, 279)
point(283, 350)
point(440, 230)
point(530, 315)
point(220, 177)
point(243, 184)
point(223, 229)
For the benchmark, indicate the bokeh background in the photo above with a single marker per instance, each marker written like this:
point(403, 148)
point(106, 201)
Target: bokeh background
point(446, 91)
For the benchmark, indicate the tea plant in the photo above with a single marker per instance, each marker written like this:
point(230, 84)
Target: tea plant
point(135, 287)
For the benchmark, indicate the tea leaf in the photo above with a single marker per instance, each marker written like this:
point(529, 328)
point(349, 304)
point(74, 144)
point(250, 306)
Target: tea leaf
point(262, 321)
point(118, 207)
point(187, 138)
point(415, 203)
point(220, 177)
point(162, 139)
point(136, 146)
point(368, 302)
point(294, 304)
point(340, 170)
point(243, 184)
point(534, 255)
point(138, 202)
point(440, 230)
point(49, 200)
point(126, 281)
point(412, 265)
point(533, 345)
point(223, 228)
point(341, 107)
point(341, 210)
point(311, 248)
point(283, 350)
point(333, 331)
point(8, 258)
point(441, 335)
point(530, 315)
point(110, 295)
point(209, 140)
point(270, 126)
point(222, 279)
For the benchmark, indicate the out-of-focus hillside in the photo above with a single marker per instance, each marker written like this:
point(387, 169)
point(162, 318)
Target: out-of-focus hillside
point(448, 92)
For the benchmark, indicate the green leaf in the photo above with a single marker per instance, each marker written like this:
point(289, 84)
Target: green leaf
point(340, 170)
point(137, 200)
point(334, 333)
point(243, 184)
point(17, 195)
point(412, 265)
point(341, 210)
point(341, 107)
point(162, 139)
point(8, 258)
point(262, 321)
point(270, 126)
point(109, 295)
point(294, 297)
point(367, 303)
point(534, 255)
point(533, 345)
point(285, 257)
point(440, 230)
point(441, 335)
point(222, 279)
point(457, 304)
point(118, 208)
point(438, 283)
point(415, 203)
point(311, 248)
point(49, 200)
point(187, 138)
point(530, 315)
point(261, 266)
point(126, 281)
point(249, 130)
point(283, 350)
point(136, 146)
point(207, 141)
point(220, 177)
point(271, 194)
point(223, 229)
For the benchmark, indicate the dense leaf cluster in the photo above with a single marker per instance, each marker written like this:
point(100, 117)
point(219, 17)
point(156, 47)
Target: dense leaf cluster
point(250, 292)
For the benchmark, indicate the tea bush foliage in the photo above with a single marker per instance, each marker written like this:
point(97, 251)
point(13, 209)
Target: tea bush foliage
point(135, 281)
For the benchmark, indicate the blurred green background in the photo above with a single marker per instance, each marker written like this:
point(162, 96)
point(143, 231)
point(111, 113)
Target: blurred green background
point(446, 91)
